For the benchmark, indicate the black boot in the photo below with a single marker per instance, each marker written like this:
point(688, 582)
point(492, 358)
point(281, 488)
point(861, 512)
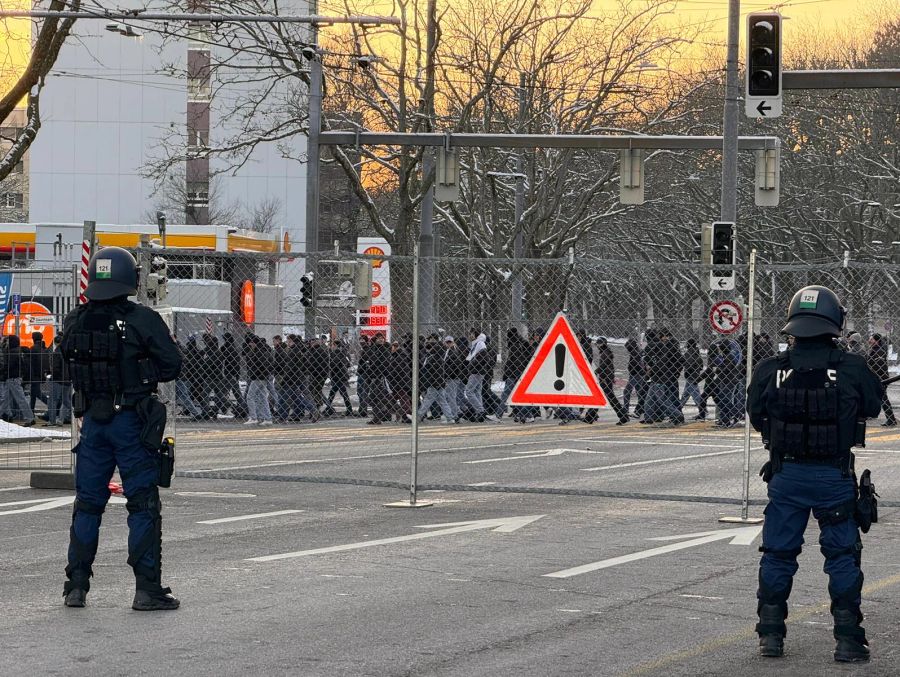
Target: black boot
point(771, 630)
point(158, 600)
point(75, 592)
point(850, 638)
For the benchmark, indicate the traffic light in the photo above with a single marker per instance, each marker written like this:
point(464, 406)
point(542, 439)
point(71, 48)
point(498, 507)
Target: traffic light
point(723, 243)
point(157, 279)
point(763, 87)
point(306, 290)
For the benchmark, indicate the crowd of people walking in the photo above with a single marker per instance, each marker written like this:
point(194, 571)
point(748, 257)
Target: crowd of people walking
point(294, 380)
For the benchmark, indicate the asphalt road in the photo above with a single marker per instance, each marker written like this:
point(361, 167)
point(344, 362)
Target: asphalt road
point(319, 578)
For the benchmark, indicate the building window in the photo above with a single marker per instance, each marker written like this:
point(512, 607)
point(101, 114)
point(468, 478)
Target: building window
point(199, 89)
point(11, 200)
point(198, 139)
point(197, 195)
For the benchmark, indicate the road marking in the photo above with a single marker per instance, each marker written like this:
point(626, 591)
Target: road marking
point(274, 464)
point(481, 484)
point(527, 454)
point(214, 494)
point(503, 525)
point(50, 504)
point(14, 488)
point(240, 518)
point(739, 536)
point(650, 443)
point(670, 459)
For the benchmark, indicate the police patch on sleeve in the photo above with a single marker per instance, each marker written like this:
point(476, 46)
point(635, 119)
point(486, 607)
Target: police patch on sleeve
point(104, 269)
point(809, 299)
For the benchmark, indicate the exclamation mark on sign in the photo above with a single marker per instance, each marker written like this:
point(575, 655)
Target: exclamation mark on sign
point(560, 365)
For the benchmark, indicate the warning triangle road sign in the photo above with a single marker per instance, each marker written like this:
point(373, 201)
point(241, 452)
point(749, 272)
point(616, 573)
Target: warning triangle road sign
point(559, 373)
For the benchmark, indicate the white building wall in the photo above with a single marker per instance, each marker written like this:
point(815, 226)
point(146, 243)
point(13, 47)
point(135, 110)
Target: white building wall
point(105, 109)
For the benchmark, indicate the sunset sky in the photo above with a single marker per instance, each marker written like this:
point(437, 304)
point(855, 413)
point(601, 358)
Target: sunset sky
point(853, 17)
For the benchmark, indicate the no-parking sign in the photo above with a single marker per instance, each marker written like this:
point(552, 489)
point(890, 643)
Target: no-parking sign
point(726, 317)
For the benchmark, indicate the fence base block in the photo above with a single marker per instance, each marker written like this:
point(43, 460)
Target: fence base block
point(52, 480)
point(741, 520)
point(409, 504)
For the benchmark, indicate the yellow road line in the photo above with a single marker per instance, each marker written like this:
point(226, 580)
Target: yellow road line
point(746, 633)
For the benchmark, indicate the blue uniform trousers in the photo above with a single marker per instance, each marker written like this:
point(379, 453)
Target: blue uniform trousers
point(103, 447)
point(793, 492)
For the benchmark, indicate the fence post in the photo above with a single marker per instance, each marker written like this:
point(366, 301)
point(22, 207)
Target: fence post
point(414, 455)
point(745, 475)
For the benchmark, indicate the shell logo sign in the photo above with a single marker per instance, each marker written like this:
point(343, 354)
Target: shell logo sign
point(33, 317)
point(376, 290)
point(375, 251)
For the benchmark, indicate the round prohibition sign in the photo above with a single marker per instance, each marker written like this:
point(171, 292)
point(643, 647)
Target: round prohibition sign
point(726, 317)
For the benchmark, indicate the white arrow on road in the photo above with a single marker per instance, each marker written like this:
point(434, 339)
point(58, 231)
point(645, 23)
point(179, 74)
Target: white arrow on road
point(531, 454)
point(40, 504)
point(503, 525)
point(739, 536)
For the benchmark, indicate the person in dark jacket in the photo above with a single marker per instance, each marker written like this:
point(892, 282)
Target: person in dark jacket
point(231, 374)
point(664, 363)
point(400, 379)
point(296, 402)
point(637, 377)
point(378, 367)
point(606, 377)
point(260, 368)
point(723, 377)
point(518, 354)
point(38, 361)
point(877, 359)
point(693, 368)
point(316, 366)
point(15, 394)
point(59, 408)
point(454, 369)
point(762, 349)
point(433, 381)
point(339, 374)
point(362, 393)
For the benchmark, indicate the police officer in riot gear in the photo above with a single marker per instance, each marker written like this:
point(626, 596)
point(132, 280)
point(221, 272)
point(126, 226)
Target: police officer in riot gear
point(810, 404)
point(118, 352)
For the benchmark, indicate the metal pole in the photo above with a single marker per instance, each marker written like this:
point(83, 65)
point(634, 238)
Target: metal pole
point(730, 122)
point(426, 242)
point(312, 179)
point(518, 242)
point(414, 457)
point(751, 302)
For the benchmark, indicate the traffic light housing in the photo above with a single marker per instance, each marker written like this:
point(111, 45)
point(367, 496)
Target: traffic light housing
point(306, 290)
point(157, 278)
point(763, 86)
point(723, 243)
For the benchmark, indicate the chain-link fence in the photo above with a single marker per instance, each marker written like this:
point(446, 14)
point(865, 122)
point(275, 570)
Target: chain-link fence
point(35, 399)
point(307, 362)
point(331, 369)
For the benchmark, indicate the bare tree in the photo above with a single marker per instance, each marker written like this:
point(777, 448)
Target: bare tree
point(264, 216)
point(51, 35)
point(172, 197)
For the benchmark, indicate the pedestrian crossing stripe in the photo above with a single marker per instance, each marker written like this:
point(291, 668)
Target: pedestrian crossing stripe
point(559, 373)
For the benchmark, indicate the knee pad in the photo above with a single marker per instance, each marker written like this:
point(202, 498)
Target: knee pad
point(144, 500)
point(88, 508)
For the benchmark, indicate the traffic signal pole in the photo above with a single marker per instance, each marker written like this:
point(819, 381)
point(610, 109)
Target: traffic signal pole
point(728, 209)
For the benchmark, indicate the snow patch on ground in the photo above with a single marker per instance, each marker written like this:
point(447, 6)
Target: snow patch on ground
point(11, 431)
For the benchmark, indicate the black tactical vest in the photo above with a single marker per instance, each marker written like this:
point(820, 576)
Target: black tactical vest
point(107, 361)
point(802, 403)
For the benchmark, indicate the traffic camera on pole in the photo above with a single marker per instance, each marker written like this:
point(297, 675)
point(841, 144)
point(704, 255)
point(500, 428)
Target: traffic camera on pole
point(306, 290)
point(763, 85)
